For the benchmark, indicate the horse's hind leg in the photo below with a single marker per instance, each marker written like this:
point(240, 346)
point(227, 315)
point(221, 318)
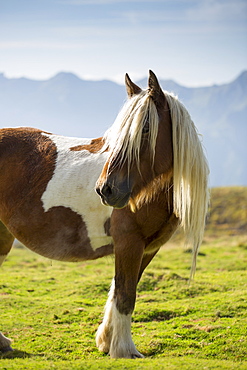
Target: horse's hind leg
point(6, 241)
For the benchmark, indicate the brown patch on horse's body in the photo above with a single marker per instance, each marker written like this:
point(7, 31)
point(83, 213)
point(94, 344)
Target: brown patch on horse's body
point(94, 147)
point(27, 164)
point(107, 226)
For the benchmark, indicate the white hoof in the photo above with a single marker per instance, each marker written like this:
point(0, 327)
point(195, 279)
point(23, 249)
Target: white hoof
point(124, 349)
point(125, 353)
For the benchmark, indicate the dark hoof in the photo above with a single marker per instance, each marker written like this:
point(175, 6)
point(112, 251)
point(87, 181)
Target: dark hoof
point(6, 349)
point(137, 355)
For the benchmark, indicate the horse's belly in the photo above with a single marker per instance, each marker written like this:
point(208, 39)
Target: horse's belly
point(73, 238)
point(62, 234)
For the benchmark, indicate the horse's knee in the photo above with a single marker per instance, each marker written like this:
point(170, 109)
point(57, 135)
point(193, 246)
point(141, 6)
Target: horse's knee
point(6, 242)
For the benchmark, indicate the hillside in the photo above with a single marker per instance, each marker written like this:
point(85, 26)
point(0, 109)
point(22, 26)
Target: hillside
point(228, 211)
point(67, 105)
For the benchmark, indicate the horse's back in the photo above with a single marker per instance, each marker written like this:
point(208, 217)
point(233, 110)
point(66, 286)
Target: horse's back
point(47, 197)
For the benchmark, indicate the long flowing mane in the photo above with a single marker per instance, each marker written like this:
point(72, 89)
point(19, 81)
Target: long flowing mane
point(190, 176)
point(190, 168)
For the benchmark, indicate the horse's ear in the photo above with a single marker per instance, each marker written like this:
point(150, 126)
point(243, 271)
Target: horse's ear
point(155, 90)
point(131, 88)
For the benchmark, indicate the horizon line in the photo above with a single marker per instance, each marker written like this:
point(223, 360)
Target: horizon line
point(116, 80)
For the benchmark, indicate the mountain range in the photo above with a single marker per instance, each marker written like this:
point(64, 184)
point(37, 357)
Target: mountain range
point(68, 105)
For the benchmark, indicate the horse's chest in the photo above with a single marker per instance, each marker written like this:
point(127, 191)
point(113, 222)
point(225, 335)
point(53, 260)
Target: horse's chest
point(72, 186)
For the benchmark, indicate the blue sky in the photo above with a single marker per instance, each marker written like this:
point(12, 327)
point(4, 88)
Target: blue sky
point(194, 42)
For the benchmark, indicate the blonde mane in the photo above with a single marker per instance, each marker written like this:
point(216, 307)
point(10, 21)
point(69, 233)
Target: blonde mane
point(190, 168)
point(124, 136)
point(190, 177)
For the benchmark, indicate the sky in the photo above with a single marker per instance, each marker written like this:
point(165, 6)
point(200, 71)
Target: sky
point(194, 42)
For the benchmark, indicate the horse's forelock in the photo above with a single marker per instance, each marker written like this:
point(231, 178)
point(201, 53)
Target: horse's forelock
point(123, 139)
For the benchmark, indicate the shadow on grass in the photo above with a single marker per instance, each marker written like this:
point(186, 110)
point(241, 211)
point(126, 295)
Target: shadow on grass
point(18, 354)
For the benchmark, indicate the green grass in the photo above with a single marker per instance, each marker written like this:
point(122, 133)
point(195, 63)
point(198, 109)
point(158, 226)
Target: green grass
point(52, 310)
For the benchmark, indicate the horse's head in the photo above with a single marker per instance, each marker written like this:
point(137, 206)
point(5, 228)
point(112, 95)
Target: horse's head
point(154, 145)
point(140, 148)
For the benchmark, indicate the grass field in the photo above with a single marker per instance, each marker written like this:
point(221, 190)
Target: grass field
point(52, 310)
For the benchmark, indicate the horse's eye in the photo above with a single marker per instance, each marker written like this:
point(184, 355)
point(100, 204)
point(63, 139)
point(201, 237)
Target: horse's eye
point(145, 129)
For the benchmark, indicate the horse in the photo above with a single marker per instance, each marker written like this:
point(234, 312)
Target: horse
point(125, 193)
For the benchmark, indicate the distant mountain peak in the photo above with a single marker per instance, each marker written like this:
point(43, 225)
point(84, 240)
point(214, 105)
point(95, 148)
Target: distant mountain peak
point(67, 76)
point(242, 77)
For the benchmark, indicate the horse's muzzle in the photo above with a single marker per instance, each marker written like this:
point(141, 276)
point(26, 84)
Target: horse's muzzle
point(117, 197)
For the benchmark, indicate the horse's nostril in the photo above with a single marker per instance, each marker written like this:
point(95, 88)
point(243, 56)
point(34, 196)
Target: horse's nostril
point(106, 190)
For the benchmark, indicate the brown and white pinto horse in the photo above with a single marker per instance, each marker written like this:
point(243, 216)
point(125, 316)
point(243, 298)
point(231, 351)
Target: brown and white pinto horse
point(149, 168)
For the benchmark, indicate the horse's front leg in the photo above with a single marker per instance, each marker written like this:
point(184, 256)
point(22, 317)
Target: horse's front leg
point(128, 262)
point(114, 334)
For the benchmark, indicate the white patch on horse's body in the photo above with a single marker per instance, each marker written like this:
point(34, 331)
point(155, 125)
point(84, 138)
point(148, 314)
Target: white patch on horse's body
point(72, 185)
point(114, 334)
point(2, 258)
